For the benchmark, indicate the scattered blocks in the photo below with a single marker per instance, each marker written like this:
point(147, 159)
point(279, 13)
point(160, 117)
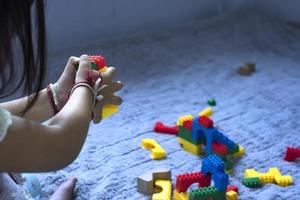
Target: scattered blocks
point(157, 152)
point(292, 154)
point(180, 195)
point(212, 102)
point(207, 112)
point(184, 118)
point(161, 128)
point(184, 181)
point(190, 147)
point(205, 193)
point(232, 188)
point(247, 69)
point(251, 177)
point(252, 182)
point(166, 190)
point(145, 182)
point(215, 166)
point(240, 152)
point(231, 195)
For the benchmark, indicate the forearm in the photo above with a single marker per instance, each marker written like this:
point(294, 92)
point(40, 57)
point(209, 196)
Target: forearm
point(48, 147)
point(41, 111)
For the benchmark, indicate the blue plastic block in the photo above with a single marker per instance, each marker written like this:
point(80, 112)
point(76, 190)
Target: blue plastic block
point(215, 166)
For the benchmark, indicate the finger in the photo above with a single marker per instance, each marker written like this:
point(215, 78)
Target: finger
point(70, 64)
point(109, 74)
point(106, 91)
point(116, 86)
point(84, 63)
point(115, 100)
point(98, 112)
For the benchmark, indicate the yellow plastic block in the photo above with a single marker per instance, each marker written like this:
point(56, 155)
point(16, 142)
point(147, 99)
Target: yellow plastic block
point(184, 118)
point(231, 195)
point(190, 147)
point(157, 152)
point(283, 180)
point(240, 153)
point(108, 110)
point(272, 176)
point(180, 195)
point(166, 190)
point(207, 112)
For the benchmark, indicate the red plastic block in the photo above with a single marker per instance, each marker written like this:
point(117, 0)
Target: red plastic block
point(232, 188)
point(219, 148)
point(161, 128)
point(99, 60)
point(188, 124)
point(292, 154)
point(206, 122)
point(184, 181)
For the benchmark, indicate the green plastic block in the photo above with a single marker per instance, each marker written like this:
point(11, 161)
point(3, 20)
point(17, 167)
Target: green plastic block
point(234, 149)
point(207, 192)
point(212, 102)
point(94, 66)
point(252, 182)
point(187, 135)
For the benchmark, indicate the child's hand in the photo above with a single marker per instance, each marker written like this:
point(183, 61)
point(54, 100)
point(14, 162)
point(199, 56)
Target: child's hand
point(107, 92)
point(69, 76)
point(66, 80)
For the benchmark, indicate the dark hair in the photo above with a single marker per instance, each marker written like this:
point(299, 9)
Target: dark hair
point(21, 21)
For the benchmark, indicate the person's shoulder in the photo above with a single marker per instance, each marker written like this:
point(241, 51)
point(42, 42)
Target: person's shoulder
point(5, 122)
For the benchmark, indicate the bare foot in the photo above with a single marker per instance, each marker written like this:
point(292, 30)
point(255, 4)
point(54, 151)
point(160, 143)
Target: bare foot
point(65, 190)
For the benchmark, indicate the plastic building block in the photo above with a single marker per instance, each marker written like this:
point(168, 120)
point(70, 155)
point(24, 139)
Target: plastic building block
point(184, 181)
point(145, 182)
point(207, 193)
point(157, 152)
point(283, 181)
point(272, 176)
point(215, 166)
point(231, 195)
point(187, 135)
point(292, 154)
point(109, 109)
point(166, 190)
point(219, 148)
point(206, 122)
point(212, 102)
point(161, 128)
point(211, 135)
point(240, 152)
point(190, 147)
point(188, 124)
point(247, 69)
point(232, 188)
point(180, 195)
point(252, 182)
point(207, 112)
point(184, 118)
point(99, 64)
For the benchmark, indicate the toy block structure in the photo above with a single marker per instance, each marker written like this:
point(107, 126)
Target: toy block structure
point(157, 152)
point(292, 154)
point(215, 166)
point(99, 64)
point(212, 169)
point(197, 135)
point(252, 178)
point(184, 181)
point(146, 181)
point(161, 128)
point(166, 190)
